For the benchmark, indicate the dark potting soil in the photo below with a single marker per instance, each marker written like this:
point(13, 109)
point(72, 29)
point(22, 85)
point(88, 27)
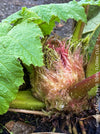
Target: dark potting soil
point(61, 124)
point(67, 123)
point(45, 124)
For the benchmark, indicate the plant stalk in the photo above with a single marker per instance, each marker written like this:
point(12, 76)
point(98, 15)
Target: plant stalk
point(77, 35)
point(27, 111)
point(25, 100)
point(80, 90)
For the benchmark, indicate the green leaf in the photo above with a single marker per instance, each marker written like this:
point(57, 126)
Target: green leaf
point(56, 12)
point(13, 18)
point(19, 42)
point(23, 41)
point(27, 14)
point(93, 11)
point(92, 24)
point(4, 28)
point(93, 39)
point(46, 15)
point(89, 2)
point(47, 28)
point(62, 11)
point(11, 77)
point(21, 16)
point(94, 62)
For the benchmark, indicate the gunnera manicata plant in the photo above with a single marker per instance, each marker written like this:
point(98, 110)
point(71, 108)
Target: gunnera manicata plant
point(62, 69)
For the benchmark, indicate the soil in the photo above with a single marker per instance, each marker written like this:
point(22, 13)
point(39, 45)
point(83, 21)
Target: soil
point(65, 123)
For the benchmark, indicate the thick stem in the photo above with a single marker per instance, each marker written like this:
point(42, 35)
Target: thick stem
point(77, 35)
point(78, 31)
point(80, 89)
point(25, 100)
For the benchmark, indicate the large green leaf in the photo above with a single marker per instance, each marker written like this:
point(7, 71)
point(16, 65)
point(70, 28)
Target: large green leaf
point(47, 28)
point(11, 77)
point(92, 23)
point(45, 12)
point(93, 11)
point(62, 11)
point(17, 42)
point(93, 38)
point(94, 62)
point(46, 15)
point(56, 12)
point(89, 2)
point(22, 15)
point(23, 42)
point(13, 18)
point(4, 28)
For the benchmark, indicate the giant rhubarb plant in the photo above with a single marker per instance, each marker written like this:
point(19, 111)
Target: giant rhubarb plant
point(61, 83)
point(51, 82)
point(56, 69)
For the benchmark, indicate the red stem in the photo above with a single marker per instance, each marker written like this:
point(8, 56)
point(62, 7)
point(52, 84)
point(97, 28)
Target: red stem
point(80, 89)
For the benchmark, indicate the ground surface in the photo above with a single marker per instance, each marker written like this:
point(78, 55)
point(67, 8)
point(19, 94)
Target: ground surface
point(61, 123)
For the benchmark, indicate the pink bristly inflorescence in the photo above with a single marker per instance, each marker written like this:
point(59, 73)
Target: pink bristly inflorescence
point(51, 84)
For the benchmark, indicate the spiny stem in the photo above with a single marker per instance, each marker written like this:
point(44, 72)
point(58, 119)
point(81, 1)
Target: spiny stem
point(80, 89)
